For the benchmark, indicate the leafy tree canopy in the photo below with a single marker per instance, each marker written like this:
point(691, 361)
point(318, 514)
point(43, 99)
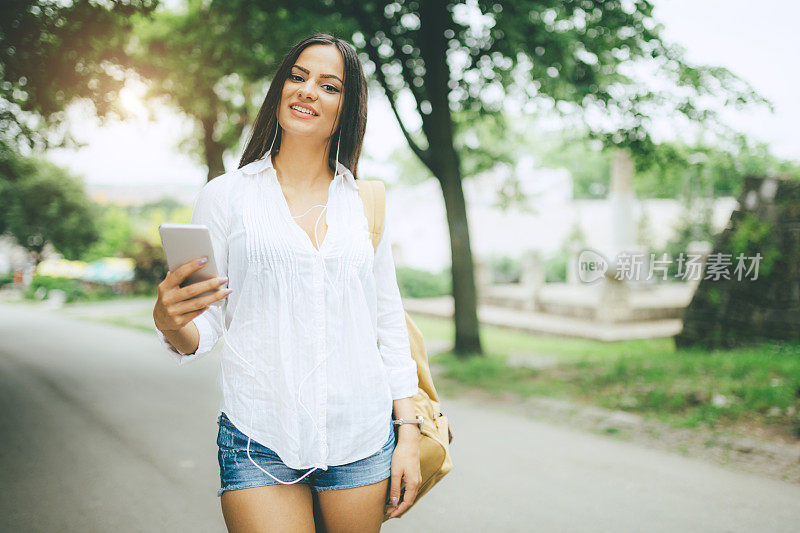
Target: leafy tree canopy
point(46, 205)
point(52, 53)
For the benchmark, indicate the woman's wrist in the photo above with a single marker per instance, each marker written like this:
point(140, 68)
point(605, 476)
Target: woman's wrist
point(408, 432)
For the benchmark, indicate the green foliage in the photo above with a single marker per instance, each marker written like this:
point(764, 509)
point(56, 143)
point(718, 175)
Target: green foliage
point(555, 267)
point(714, 167)
point(116, 234)
point(714, 295)
point(693, 225)
point(752, 236)
point(7, 279)
point(588, 164)
point(144, 288)
point(52, 53)
point(151, 265)
point(669, 170)
point(505, 269)
point(75, 290)
point(486, 140)
point(45, 204)
point(414, 283)
point(525, 56)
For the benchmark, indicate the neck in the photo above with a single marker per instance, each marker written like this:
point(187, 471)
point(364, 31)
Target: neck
point(302, 161)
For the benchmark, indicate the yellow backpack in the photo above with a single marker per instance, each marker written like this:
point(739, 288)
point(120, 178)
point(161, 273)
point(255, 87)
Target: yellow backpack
point(436, 435)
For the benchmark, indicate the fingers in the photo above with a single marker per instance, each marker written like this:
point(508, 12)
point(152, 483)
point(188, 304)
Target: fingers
point(177, 320)
point(404, 504)
point(174, 279)
point(394, 486)
point(192, 304)
point(190, 316)
point(409, 492)
point(199, 288)
point(409, 495)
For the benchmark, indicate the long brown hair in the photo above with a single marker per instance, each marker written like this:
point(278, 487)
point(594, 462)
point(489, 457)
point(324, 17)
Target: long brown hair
point(353, 119)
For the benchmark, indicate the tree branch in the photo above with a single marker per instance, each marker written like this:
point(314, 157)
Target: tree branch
point(423, 154)
point(397, 47)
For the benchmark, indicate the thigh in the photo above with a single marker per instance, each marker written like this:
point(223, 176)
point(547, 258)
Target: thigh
point(253, 501)
point(357, 510)
point(352, 497)
point(267, 509)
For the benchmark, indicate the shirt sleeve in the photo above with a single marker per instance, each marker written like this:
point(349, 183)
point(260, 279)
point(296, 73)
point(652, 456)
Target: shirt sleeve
point(210, 208)
point(393, 342)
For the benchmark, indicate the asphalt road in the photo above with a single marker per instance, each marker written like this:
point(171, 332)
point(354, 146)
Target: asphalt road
point(101, 431)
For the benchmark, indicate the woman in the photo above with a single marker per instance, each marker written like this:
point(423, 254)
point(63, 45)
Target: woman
point(316, 354)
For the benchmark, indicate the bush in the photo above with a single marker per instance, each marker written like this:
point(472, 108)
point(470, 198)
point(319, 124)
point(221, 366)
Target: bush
point(75, 290)
point(555, 267)
point(7, 279)
point(415, 283)
point(151, 266)
point(505, 269)
point(144, 288)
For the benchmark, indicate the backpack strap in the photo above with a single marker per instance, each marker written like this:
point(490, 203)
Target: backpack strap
point(373, 196)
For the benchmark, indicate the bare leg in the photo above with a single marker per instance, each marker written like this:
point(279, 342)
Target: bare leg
point(267, 509)
point(356, 510)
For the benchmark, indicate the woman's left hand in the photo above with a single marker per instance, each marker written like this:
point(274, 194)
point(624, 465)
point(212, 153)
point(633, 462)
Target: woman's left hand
point(405, 467)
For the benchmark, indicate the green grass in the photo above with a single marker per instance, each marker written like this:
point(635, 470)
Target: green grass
point(757, 385)
point(506, 341)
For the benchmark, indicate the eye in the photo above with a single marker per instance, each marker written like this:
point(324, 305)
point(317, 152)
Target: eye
point(293, 76)
point(332, 88)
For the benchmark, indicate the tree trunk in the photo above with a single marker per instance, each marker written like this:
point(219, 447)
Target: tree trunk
point(444, 162)
point(213, 149)
point(467, 337)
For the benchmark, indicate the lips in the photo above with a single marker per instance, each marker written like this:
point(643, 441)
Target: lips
point(306, 107)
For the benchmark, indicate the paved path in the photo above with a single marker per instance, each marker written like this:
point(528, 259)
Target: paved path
point(103, 432)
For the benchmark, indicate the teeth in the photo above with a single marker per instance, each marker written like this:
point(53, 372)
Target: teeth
point(302, 110)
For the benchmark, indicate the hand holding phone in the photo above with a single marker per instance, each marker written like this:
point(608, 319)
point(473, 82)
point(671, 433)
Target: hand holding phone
point(176, 306)
point(190, 286)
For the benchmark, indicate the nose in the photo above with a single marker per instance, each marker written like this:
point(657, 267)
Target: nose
point(308, 89)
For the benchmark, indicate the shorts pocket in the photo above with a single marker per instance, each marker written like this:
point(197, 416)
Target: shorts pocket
point(226, 436)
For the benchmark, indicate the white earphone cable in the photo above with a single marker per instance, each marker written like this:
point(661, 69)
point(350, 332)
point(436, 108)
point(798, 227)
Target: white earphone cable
point(250, 365)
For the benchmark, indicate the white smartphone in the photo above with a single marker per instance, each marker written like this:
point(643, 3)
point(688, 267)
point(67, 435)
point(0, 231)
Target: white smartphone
point(188, 242)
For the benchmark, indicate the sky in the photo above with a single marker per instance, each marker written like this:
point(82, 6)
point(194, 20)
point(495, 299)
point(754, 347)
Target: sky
point(758, 41)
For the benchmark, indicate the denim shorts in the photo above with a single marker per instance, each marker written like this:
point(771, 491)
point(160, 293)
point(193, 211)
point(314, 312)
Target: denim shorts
point(236, 471)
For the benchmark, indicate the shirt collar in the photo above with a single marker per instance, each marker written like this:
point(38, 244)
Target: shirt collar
point(265, 163)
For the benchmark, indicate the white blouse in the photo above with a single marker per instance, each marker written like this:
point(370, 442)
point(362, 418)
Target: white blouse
point(321, 336)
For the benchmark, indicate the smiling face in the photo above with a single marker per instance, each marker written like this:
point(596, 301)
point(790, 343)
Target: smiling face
point(314, 82)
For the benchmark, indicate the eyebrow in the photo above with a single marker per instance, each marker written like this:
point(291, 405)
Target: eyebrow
point(321, 75)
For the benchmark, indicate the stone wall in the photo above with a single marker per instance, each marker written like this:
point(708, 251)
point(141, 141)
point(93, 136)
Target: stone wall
point(765, 306)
